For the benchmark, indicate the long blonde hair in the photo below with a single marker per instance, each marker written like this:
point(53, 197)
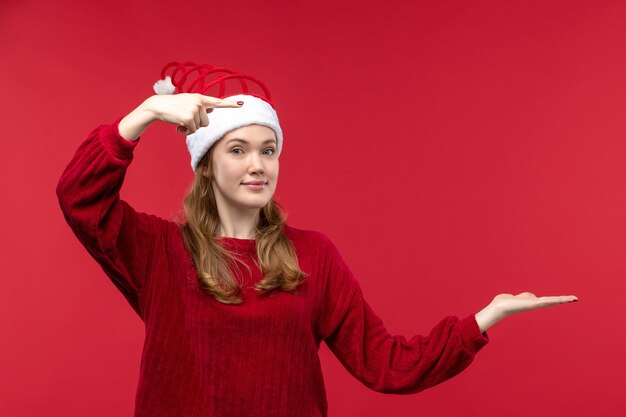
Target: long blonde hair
point(199, 225)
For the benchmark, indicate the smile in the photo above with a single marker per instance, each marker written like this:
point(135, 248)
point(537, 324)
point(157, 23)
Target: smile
point(254, 186)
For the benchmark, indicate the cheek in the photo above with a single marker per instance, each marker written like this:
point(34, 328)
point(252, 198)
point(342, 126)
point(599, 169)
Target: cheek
point(225, 171)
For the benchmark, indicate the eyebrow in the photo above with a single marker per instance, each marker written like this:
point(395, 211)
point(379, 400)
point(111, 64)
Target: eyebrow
point(246, 142)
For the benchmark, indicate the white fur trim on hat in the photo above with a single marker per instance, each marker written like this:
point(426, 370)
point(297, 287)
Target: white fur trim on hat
point(224, 119)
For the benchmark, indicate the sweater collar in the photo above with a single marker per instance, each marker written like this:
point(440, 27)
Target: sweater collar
point(240, 245)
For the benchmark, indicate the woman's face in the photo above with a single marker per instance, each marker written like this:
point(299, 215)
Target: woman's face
point(244, 155)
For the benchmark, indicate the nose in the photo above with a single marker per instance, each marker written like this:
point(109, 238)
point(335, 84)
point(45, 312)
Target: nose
point(256, 165)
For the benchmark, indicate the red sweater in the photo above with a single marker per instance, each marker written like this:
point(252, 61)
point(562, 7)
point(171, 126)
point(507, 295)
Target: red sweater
point(260, 358)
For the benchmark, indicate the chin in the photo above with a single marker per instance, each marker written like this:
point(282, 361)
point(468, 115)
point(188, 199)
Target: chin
point(257, 204)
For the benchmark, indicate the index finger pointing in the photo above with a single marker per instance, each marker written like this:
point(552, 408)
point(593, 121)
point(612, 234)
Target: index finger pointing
point(218, 102)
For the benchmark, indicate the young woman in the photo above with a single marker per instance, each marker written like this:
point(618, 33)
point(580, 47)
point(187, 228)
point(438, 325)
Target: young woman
point(235, 301)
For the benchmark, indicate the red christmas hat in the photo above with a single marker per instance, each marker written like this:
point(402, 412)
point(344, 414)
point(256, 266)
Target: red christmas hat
point(257, 109)
point(212, 75)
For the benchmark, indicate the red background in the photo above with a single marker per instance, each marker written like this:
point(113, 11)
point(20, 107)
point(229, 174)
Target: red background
point(452, 150)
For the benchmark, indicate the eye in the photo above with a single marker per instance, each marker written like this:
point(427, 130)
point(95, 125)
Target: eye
point(273, 151)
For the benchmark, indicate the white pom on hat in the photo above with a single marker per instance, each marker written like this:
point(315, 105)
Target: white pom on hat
point(255, 110)
point(164, 86)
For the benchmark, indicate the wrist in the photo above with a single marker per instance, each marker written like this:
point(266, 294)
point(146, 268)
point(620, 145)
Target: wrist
point(148, 110)
point(137, 121)
point(487, 317)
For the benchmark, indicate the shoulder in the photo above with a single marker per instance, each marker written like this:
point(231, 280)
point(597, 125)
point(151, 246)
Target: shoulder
point(298, 233)
point(295, 233)
point(309, 239)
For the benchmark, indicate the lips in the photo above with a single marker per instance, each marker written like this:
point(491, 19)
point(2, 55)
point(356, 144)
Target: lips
point(254, 183)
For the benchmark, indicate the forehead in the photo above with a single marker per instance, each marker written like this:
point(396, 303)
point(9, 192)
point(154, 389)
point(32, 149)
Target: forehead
point(251, 133)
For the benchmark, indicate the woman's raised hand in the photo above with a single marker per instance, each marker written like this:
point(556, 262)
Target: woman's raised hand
point(504, 305)
point(187, 110)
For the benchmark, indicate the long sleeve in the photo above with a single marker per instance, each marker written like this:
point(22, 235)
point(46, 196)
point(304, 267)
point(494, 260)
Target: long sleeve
point(119, 238)
point(384, 362)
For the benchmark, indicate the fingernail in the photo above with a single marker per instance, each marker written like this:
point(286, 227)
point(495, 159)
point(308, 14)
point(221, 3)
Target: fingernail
point(240, 103)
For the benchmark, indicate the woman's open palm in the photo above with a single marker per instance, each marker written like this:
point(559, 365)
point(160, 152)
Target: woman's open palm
point(509, 304)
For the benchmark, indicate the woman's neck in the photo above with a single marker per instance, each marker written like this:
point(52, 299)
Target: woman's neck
point(238, 226)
